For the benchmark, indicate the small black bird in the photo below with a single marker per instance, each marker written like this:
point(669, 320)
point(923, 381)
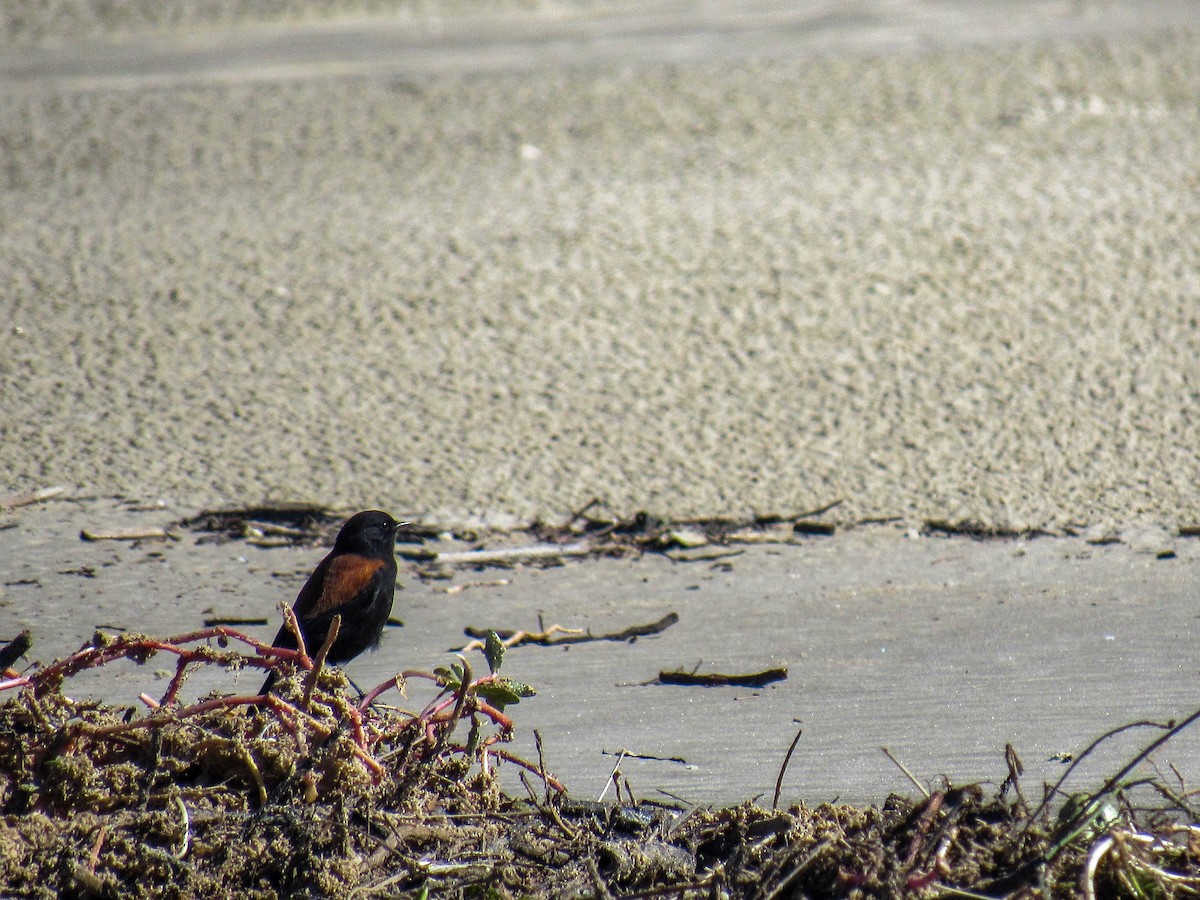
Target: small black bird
point(356, 581)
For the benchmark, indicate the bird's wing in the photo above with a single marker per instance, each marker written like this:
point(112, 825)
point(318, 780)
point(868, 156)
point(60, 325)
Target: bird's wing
point(346, 576)
point(335, 581)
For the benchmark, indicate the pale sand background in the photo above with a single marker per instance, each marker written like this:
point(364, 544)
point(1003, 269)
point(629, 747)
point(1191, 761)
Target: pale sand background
point(959, 284)
point(501, 265)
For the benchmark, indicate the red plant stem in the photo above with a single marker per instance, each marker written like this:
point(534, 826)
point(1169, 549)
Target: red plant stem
point(356, 722)
point(391, 683)
point(438, 704)
point(172, 693)
point(222, 631)
point(135, 645)
point(497, 717)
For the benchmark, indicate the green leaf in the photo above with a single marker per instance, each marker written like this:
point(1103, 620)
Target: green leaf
point(473, 737)
point(497, 695)
point(493, 652)
point(502, 692)
point(520, 688)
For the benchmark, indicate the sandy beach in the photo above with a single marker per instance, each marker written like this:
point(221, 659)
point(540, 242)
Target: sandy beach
point(934, 261)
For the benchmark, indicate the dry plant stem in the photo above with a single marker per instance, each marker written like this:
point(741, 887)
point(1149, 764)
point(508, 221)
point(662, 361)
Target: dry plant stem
point(1015, 770)
point(260, 784)
point(310, 682)
point(932, 807)
point(1171, 730)
point(784, 887)
point(717, 679)
point(94, 856)
point(1120, 776)
point(575, 636)
point(510, 556)
point(537, 742)
point(612, 778)
point(172, 692)
point(522, 637)
point(903, 768)
point(293, 624)
point(783, 769)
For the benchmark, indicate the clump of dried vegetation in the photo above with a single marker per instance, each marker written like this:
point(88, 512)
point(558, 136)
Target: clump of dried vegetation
point(314, 794)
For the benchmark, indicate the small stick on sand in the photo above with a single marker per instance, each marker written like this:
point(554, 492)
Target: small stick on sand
point(511, 556)
point(15, 500)
point(134, 534)
point(717, 679)
point(571, 635)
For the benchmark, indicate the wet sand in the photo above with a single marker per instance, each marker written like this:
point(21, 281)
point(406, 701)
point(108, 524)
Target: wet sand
point(942, 649)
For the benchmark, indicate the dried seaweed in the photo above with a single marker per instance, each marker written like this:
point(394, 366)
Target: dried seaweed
point(314, 794)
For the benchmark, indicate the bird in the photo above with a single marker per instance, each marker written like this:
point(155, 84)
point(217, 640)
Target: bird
point(356, 581)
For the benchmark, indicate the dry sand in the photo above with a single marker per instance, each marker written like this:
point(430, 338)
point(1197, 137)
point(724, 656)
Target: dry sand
point(957, 284)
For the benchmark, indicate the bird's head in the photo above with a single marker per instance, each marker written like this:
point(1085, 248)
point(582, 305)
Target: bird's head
point(370, 533)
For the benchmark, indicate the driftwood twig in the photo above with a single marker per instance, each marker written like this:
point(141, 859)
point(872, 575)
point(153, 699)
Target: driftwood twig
point(569, 635)
point(509, 556)
point(717, 679)
point(132, 534)
point(38, 496)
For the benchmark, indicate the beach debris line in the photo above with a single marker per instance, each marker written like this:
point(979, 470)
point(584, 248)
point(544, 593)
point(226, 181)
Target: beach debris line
point(645, 532)
point(590, 530)
point(285, 524)
point(275, 801)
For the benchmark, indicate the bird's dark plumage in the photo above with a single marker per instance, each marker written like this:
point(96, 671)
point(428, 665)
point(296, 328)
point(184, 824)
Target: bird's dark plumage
point(357, 581)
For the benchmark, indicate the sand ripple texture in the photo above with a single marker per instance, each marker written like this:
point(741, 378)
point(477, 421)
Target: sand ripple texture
point(961, 284)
